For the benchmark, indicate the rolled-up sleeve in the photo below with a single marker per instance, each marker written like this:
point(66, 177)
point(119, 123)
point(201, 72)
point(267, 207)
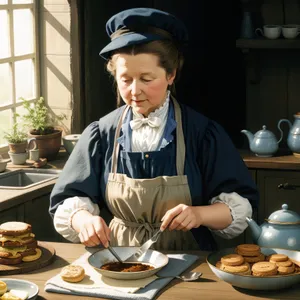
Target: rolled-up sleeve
point(65, 212)
point(240, 208)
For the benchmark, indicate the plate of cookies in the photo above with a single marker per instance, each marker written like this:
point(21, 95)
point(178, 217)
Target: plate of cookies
point(253, 267)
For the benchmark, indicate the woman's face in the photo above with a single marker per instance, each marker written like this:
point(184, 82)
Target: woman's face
point(142, 83)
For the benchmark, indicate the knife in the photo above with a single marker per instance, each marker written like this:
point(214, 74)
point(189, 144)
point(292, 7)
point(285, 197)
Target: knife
point(141, 250)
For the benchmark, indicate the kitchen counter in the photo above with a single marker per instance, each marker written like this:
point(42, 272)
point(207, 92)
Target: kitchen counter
point(281, 162)
point(207, 287)
point(23, 195)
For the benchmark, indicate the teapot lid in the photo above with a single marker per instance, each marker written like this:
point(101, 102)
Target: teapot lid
point(284, 216)
point(264, 133)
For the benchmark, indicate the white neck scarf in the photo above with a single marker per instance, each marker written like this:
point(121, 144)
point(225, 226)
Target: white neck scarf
point(147, 132)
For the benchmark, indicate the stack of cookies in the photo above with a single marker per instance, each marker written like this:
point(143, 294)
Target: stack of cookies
point(284, 264)
point(234, 263)
point(17, 243)
point(250, 252)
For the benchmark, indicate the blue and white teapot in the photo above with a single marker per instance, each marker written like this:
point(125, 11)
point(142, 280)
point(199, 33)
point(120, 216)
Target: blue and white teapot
point(293, 139)
point(263, 143)
point(280, 230)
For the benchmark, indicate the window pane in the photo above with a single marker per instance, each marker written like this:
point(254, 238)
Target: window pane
point(22, 1)
point(23, 31)
point(5, 84)
point(24, 71)
point(3, 1)
point(20, 110)
point(5, 124)
point(4, 34)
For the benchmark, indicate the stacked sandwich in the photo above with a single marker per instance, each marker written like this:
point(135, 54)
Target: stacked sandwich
point(17, 243)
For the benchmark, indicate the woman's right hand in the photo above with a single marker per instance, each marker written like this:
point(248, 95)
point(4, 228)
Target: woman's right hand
point(92, 230)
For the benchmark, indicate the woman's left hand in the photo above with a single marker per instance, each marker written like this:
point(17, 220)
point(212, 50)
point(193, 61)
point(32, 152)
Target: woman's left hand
point(181, 217)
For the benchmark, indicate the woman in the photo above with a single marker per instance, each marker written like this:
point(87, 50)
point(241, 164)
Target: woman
point(153, 162)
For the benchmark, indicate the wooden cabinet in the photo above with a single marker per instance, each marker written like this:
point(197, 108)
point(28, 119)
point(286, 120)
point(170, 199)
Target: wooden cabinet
point(271, 197)
point(12, 214)
point(34, 212)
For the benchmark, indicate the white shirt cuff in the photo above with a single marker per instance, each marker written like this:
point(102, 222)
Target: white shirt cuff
point(240, 208)
point(63, 216)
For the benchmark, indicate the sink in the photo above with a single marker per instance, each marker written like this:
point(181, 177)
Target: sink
point(23, 179)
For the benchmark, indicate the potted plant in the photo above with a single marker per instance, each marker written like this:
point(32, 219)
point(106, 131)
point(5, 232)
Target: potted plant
point(42, 126)
point(17, 139)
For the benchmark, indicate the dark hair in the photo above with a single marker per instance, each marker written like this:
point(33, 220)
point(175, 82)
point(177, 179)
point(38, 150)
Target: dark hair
point(169, 58)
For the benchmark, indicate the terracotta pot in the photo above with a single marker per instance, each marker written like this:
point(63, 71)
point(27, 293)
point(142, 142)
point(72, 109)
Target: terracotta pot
point(48, 144)
point(18, 147)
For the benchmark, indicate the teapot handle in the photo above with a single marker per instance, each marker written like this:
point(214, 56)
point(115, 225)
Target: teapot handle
point(281, 132)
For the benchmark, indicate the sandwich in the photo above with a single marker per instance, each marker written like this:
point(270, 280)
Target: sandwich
point(17, 243)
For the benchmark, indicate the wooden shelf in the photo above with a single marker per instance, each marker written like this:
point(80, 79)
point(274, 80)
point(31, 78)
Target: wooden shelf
point(262, 43)
point(282, 160)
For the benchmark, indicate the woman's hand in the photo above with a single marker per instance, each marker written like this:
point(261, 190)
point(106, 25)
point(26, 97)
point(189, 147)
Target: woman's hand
point(92, 230)
point(181, 217)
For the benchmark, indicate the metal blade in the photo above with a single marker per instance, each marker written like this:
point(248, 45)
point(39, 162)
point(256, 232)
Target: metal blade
point(140, 251)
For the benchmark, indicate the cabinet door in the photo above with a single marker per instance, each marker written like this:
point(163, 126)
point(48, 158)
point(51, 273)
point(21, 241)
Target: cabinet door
point(12, 214)
point(36, 214)
point(272, 198)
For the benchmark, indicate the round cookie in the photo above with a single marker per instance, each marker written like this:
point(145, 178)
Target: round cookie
point(254, 259)
point(232, 260)
point(72, 273)
point(286, 270)
point(3, 287)
point(248, 250)
point(14, 228)
point(264, 268)
point(286, 263)
point(218, 264)
point(243, 268)
point(278, 257)
point(33, 257)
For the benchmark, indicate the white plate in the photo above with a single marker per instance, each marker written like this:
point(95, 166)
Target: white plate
point(154, 258)
point(24, 285)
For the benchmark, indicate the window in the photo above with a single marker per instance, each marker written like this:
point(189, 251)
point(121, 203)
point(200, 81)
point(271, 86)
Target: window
point(18, 59)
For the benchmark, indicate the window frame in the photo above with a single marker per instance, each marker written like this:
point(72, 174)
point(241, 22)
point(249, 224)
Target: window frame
point(35, 56)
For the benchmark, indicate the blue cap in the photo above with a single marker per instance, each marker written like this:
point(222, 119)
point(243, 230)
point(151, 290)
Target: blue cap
point(142, 25)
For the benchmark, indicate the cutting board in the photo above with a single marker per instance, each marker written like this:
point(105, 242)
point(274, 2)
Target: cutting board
point(48, 254)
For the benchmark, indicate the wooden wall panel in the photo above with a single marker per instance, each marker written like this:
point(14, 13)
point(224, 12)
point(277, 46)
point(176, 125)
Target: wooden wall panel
point(293, 85)
point(267, 99)
point(275, 93)
point(292, 11)
point(272, 12)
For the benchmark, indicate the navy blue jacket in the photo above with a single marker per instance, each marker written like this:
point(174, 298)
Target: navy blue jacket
point(212, 164)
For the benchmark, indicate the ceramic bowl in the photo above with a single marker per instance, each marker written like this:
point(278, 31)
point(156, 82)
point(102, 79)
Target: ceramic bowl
point(154, 258)
point(69, 142)
point(18, 158)
point(3, 164)
point(251, 282)
point(24, 285)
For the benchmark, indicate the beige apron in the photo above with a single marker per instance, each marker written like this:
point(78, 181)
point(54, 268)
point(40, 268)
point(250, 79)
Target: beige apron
point(139, 204)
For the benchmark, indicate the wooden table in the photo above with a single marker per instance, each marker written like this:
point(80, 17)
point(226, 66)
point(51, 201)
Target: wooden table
point(207, 287)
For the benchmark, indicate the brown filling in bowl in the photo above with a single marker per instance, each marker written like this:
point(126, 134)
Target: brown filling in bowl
point(126, 267)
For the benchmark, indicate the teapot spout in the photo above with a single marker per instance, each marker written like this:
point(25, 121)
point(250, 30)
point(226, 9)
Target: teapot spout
point(249, 135)
point(255, 229)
